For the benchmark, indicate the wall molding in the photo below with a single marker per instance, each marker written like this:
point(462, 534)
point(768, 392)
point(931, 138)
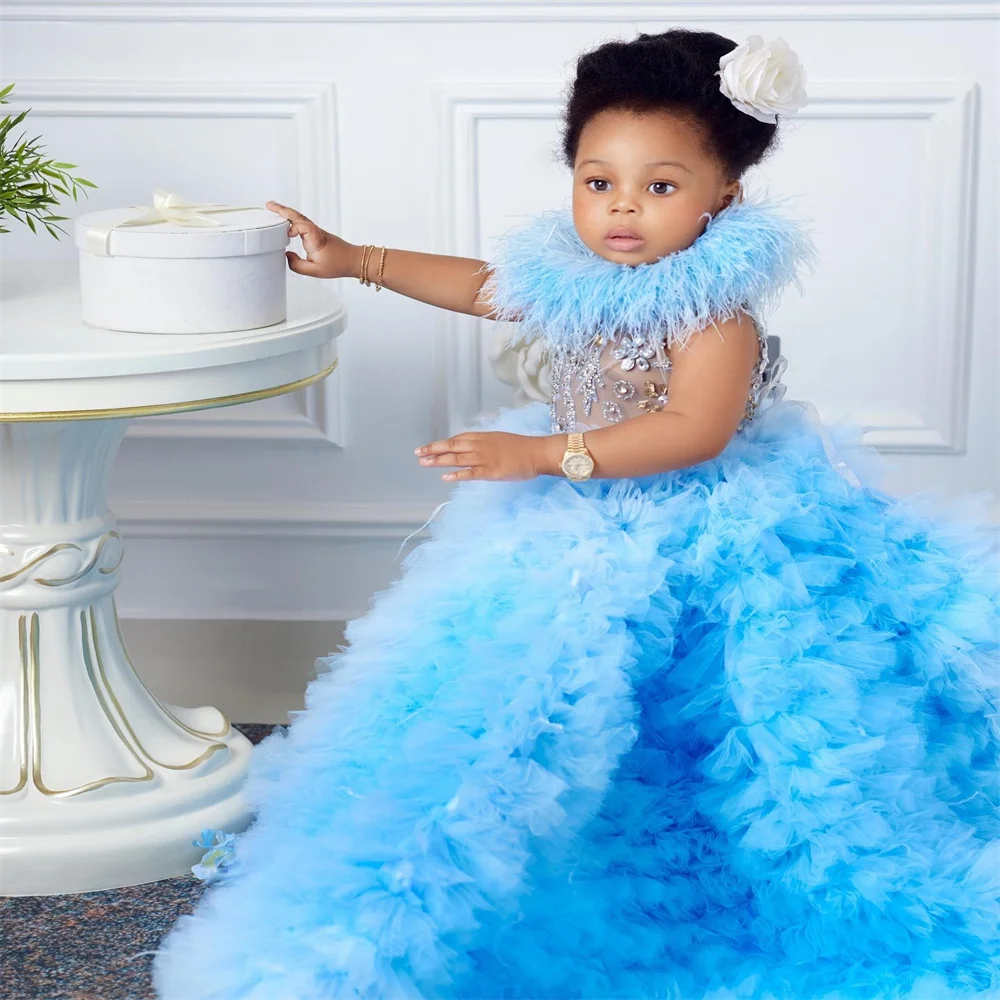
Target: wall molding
point(272, 520)
point(277, 561)
point(312, 415)
point(299, 562)
point(950, 108)
point(459, 113)
point(327, 11)
point(951, 111)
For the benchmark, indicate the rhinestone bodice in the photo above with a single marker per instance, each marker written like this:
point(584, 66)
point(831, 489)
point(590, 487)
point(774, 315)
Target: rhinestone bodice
point(617, 379)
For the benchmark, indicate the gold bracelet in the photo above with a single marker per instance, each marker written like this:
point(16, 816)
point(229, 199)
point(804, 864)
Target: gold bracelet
point(366, 252)
point(381, 265)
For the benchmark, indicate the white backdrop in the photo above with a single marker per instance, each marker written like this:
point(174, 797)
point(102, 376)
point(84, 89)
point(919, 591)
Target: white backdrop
point(433, 126)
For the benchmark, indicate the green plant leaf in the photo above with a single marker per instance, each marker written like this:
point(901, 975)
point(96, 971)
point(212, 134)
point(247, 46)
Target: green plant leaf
point(31, 183)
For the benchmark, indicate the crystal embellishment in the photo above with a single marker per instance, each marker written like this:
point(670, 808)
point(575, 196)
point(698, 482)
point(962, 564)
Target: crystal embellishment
point(564, 366)
point(590, 378)
point(634, 353)
point(656, 398)
point(612, 411)
point(580, 379)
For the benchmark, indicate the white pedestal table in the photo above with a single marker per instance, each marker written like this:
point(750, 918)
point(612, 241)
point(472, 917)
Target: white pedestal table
point(102, 784)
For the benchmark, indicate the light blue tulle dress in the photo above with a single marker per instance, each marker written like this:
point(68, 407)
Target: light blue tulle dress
point(725, 732)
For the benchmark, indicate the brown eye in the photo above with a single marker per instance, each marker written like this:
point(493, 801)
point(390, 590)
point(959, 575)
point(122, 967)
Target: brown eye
point(660, 187)
point(604, 185)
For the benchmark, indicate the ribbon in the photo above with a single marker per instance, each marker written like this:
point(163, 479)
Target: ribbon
point(168, 206)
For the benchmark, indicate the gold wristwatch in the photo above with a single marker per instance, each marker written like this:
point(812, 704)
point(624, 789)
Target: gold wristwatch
point(576, 462)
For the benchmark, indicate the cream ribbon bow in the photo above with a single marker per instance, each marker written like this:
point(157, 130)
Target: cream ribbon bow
point(168, 206)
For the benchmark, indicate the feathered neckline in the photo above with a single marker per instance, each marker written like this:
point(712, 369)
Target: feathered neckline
point(562, 291)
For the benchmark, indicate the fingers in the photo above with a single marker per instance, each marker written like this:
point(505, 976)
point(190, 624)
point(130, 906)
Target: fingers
point(449, 458)
point(287, 213)
point(298, 225)
point(458, 450)
point(460, 444)
point(472, 473)
point(302, 266)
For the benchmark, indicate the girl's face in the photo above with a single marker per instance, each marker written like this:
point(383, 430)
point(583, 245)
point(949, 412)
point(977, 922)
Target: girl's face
point(641, 182)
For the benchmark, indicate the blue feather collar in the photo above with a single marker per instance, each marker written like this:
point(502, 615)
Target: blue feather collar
point(544, 275)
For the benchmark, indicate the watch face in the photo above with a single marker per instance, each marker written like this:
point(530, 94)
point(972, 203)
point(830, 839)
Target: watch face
point(578, 466)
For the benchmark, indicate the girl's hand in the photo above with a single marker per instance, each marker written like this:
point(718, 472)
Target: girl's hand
point(327, 256)
point(495, 455)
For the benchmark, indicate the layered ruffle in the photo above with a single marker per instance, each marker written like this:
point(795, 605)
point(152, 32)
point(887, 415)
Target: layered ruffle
point(726, 732)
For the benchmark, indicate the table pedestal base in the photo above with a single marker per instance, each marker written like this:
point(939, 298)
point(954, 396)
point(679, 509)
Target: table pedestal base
point(101, 784)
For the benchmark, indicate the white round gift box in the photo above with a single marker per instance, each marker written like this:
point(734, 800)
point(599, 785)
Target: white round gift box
point(165, 277)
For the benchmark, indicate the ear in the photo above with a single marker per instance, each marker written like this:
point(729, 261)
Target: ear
point(733, 191)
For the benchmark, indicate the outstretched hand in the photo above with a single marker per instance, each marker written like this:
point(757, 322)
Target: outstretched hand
point(327, 256)
point(495, 455)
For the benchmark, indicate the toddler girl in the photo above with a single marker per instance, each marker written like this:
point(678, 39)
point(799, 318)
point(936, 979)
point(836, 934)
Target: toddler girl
point(670, 704)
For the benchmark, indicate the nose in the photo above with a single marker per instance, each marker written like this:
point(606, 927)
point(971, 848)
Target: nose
point(624, 204)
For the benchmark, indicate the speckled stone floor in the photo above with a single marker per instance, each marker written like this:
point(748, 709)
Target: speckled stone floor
point(95, 945)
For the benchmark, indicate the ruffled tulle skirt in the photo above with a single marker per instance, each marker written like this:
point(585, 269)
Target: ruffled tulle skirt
point(730, 731)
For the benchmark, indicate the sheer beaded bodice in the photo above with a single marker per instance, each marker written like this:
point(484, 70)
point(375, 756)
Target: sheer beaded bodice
point(617, 379)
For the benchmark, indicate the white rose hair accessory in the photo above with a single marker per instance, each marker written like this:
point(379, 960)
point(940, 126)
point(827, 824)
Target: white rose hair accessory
point(763, 79)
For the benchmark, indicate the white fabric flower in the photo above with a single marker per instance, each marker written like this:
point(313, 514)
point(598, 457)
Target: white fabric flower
point(763, 79)
point(527, 367)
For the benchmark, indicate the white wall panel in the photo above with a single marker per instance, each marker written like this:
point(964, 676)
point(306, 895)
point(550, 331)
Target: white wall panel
point(433, 125)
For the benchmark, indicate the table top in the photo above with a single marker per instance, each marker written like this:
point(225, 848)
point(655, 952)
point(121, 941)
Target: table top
point(55, 367)
point(43, 337)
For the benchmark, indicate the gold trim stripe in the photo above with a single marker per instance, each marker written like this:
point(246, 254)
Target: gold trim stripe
point(147, 774)
point(159, 409)
point(22, 642)
point(81, 573)
point(31, 751)
point(121, 711)
point(173, 718)
point(7, 577)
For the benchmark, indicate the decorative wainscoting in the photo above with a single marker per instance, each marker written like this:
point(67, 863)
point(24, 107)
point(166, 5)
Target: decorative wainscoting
point(243, 560)
point(433, 125)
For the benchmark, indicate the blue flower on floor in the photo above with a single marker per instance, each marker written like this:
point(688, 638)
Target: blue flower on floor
point(219, 854)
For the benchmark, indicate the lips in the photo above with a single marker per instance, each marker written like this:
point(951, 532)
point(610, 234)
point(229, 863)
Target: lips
point(621, 238)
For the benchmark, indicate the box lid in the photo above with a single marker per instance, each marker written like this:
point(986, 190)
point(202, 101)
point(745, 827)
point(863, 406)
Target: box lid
point(239, 232)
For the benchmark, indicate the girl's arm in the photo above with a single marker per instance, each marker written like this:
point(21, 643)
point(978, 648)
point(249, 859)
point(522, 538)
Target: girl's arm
point(447, 282)
point(709, 385)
